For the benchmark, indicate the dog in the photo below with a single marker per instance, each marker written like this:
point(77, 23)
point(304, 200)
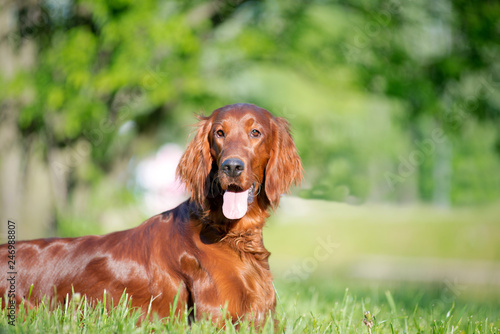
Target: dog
point(208, 251)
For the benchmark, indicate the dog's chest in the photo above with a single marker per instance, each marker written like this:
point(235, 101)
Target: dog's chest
point(245, 283)
point(221, 276)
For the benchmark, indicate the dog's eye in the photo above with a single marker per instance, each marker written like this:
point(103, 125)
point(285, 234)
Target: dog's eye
point(255, 133)
point(219, 134)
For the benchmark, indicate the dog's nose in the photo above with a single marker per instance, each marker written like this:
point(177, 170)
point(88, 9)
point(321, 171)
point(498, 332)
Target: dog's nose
point(233, 167)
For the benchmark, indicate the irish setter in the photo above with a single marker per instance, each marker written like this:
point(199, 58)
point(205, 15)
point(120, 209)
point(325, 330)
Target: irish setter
point(208, 250)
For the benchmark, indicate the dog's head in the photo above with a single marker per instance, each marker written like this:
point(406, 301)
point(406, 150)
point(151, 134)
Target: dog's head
point(239, 152)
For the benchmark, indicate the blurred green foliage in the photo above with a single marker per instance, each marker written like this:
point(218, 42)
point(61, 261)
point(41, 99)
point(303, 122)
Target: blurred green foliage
point(365, 84)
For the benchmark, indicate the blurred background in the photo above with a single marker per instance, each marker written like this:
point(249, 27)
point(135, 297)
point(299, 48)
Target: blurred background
point(394, 105)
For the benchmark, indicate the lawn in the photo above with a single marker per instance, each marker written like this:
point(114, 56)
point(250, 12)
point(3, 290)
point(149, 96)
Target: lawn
point(309, 307)
point(415, 269)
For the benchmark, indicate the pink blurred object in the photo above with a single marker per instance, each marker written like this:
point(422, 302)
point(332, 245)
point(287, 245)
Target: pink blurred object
point(156, 175)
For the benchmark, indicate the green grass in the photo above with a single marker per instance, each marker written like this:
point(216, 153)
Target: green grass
point(325, 297)
point(412, 231)
point(306, 307)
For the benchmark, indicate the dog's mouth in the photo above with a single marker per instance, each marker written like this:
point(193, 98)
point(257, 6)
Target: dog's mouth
point(236, 200)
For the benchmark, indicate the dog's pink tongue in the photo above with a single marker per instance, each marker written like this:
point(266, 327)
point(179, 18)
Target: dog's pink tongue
point(235, 204)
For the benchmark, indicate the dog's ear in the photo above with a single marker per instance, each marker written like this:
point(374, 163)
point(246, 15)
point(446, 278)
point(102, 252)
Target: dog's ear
point(196, 163)
point(284, 167)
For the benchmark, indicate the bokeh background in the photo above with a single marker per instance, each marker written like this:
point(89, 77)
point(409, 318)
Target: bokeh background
point(394, 105)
